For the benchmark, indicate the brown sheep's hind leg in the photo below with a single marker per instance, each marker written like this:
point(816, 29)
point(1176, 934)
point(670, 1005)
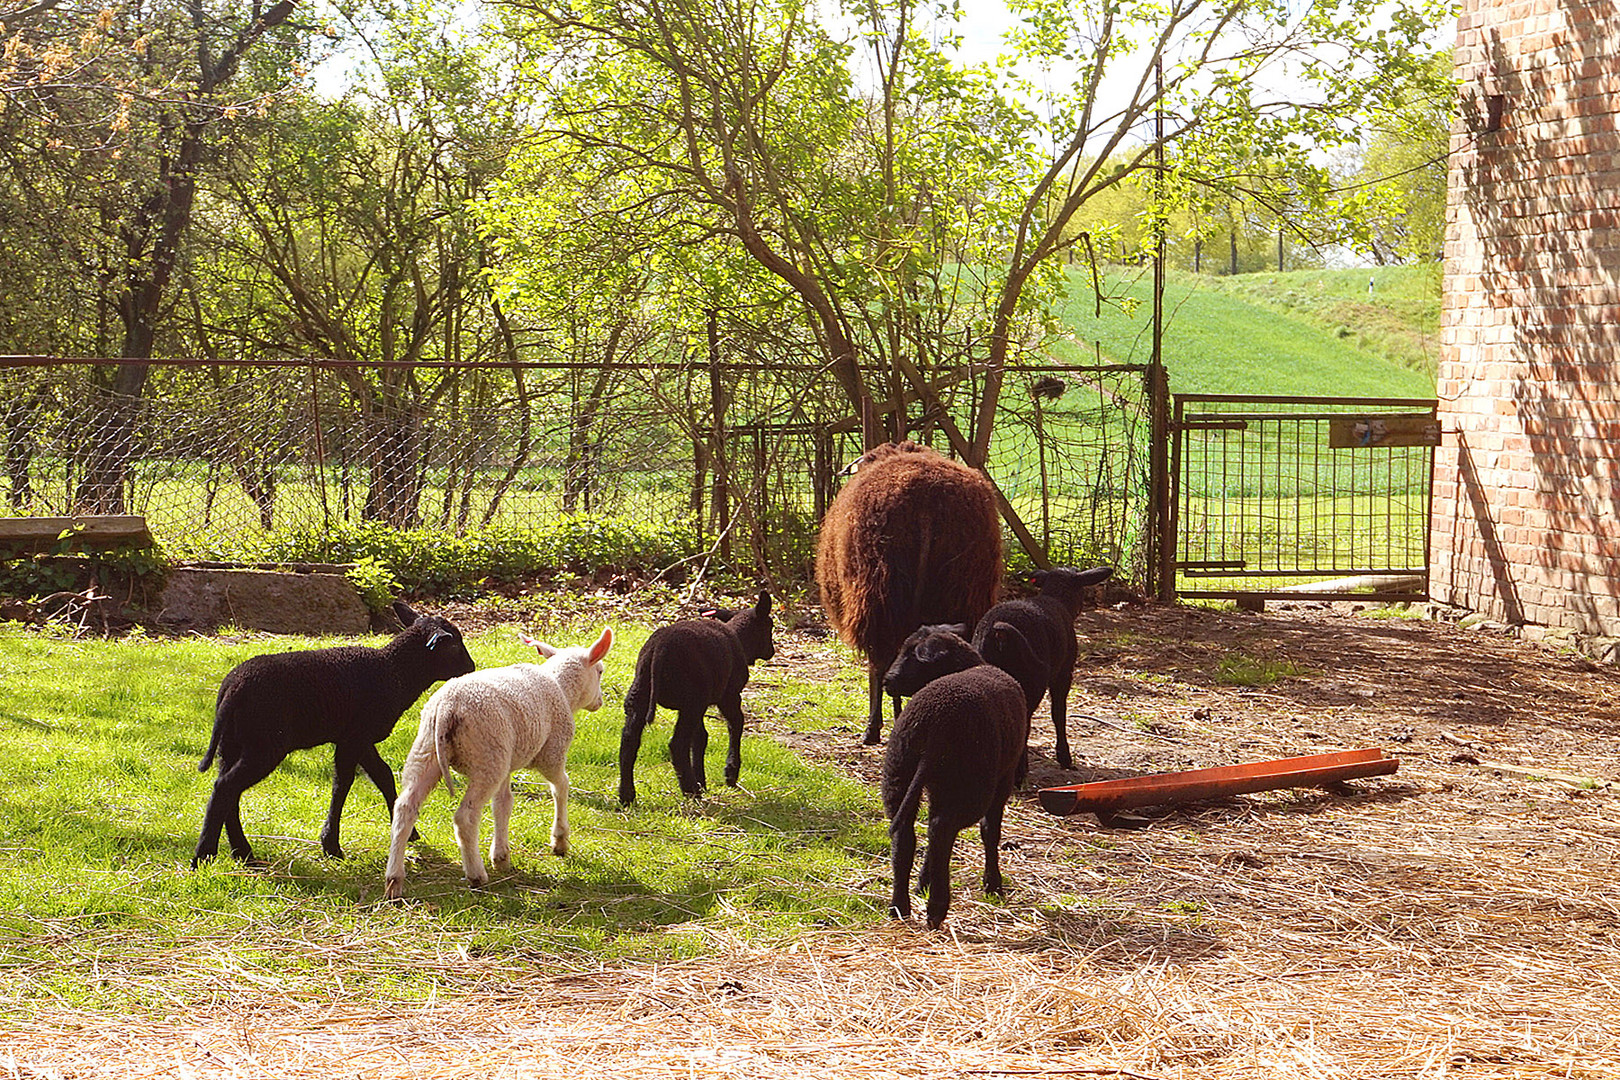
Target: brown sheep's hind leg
point(874, 712)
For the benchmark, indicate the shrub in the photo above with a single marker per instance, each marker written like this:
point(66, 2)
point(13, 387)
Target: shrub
point(438, 563)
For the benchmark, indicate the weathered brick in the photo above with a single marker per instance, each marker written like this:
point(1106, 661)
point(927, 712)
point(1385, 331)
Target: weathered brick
point(1531, 319)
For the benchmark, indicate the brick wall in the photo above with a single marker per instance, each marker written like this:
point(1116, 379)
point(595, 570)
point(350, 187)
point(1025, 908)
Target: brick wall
point(1526, 523)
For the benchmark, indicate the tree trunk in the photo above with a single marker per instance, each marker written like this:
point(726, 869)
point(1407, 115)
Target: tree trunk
point(720, 507)
point(394, 450)
point(152, 240)
point(579, 472)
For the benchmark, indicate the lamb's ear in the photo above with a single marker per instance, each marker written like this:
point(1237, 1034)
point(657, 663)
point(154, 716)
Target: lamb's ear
point(404, 612)
point(764, 605)
point(603, 644)
point(928, 650)
point(537, 645)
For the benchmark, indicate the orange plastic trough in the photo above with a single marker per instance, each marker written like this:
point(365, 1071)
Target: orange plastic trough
point(1315, 770)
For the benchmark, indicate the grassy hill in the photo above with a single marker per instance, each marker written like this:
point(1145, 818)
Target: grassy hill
point(1319, 332)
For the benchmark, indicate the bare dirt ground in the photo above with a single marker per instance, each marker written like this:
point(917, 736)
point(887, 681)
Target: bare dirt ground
point(1458, 919)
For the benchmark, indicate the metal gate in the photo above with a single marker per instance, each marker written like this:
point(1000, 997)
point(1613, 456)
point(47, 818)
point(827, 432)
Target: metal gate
point(1301, 497)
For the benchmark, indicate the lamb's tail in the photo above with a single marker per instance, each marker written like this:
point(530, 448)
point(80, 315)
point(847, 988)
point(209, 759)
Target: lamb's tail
point(640, 700)
point(911, 801)
point(904, 762)
point(213, 745)
point(441, 738)
point(214, 736)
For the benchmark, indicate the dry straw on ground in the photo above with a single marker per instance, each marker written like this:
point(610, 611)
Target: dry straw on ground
point(1451, 921)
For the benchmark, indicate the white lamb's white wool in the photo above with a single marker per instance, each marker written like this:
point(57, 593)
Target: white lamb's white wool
point(486, 726)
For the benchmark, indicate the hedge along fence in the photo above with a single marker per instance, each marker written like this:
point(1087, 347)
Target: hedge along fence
point(554, 462)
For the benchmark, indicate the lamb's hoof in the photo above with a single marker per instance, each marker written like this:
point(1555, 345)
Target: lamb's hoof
point(731, 780)
point(394, 889)
point(935, 924)
point(900, 911)
point(560, 847)
point(478, 882)
point(332, 850)
point(873, 738)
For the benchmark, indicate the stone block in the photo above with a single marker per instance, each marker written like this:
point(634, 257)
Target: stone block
point(268, 600)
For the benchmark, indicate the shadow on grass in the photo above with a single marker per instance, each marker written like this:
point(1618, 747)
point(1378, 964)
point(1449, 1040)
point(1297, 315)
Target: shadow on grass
point(772, 852)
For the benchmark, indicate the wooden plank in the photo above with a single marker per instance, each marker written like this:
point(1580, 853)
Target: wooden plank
point(1158, 789)
point(89, 531)
point(1531, 772)
point(1387, 429)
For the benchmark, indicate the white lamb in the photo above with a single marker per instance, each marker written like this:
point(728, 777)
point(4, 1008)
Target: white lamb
point(487, 725)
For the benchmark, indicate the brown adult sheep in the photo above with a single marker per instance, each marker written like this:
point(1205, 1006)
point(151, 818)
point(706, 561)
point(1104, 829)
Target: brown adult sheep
point(913, 538)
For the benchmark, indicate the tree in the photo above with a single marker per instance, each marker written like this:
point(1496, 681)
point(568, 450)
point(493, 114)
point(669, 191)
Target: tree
point(742, 125)
point(140, 97)
point(917, 211)
point(351, 235)
point(1401, 173)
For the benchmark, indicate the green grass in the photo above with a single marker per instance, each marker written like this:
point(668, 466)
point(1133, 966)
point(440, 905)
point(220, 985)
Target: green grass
point(102, 798)
point(1241, 335)
point(1240, 669)
point(1392, 312)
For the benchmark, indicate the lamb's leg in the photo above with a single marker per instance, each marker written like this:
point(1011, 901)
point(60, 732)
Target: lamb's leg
point(700, 748)
point(941, 839)
point(344, 761)
point(680, 751)
point(629, 747)
point(420, 773)
point(213, 821)
point(990, 835)
point(557, 777)
point(225, 808)
point(1059, 692)
point(382, 776)
point(902, 853)
point(500, 844)
point(731, 709)
point(479, 792)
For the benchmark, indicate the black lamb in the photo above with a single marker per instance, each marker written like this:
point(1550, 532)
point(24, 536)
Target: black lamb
point(352, 696)
point(1046, 660)
point(688, 666)
point(961, 739)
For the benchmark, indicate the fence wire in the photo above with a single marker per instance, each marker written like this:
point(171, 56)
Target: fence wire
point(214, 455)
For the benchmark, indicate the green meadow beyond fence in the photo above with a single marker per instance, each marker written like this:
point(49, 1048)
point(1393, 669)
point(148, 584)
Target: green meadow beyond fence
point(1275, 494)
point(738, 456)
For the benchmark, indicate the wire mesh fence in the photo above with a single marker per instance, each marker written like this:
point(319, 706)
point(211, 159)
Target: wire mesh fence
point(214, 455)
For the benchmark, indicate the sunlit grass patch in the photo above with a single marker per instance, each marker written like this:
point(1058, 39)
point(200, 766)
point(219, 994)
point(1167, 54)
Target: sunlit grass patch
point(100, 800)
point(1240, 669)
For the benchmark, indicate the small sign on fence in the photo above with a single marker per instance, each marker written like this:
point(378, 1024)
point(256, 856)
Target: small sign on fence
point(1388, 429)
